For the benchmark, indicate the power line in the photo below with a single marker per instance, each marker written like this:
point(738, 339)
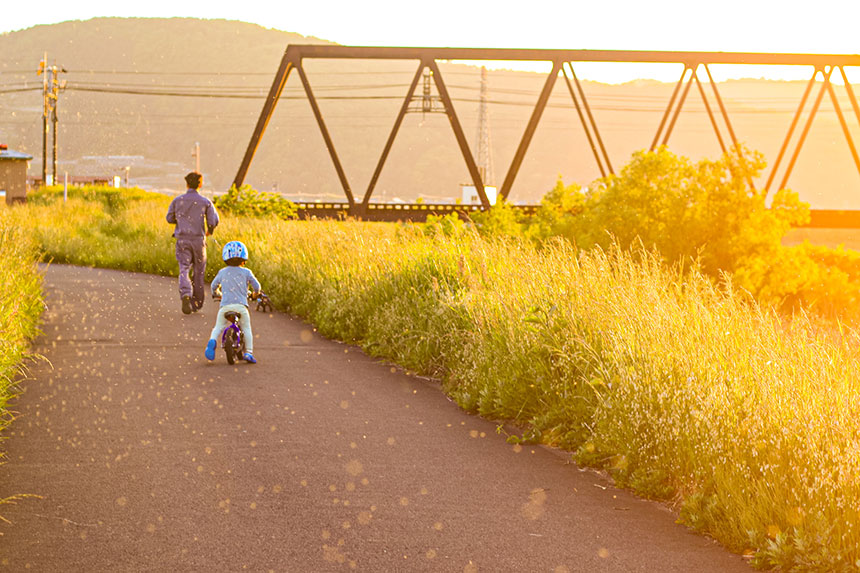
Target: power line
point(317, 88)
point(245, 90)
point(19, 90)
point(405, 73)
point(214, 95)
point(247, 93)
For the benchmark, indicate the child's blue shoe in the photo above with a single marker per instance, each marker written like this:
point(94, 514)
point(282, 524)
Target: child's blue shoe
point(249, 358)
point(210, 349)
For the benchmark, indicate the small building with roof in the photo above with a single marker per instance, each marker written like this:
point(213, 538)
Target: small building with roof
point(13, 174)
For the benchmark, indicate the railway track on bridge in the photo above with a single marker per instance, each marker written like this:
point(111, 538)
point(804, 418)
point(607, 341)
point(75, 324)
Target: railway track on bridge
point(418, 212)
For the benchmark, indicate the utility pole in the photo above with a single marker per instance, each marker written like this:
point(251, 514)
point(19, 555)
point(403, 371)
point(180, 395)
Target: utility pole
point(50, 98)
point(44, 72)
point(55, 98)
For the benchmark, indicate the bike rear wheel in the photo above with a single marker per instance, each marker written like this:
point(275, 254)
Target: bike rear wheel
point(230, 346)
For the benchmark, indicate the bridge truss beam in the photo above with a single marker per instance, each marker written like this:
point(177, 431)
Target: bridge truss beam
point(295, 54)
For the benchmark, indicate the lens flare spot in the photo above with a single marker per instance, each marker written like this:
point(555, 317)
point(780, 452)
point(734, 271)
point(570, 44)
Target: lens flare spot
point(354, 468)
point(332, 555)
point(534, 508)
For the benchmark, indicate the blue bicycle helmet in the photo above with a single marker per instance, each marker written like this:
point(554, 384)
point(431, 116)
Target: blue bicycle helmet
point(234, 250)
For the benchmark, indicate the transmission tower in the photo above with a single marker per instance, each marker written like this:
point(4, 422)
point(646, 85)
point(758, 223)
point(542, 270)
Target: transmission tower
point(485, 155)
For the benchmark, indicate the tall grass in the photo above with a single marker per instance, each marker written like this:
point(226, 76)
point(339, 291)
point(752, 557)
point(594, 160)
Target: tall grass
point(683, 391)
point(20, 306)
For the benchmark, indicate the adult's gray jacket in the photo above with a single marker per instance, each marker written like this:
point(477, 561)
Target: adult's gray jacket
point(193, 214)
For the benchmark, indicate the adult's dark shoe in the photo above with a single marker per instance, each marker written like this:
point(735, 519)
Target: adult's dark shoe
point(186, 305)
point(196, 304)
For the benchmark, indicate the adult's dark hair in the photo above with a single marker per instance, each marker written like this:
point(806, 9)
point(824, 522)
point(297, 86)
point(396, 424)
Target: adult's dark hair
point(193, 180)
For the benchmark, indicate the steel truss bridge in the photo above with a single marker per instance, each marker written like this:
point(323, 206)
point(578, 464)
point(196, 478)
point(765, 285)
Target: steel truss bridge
point(695, 64)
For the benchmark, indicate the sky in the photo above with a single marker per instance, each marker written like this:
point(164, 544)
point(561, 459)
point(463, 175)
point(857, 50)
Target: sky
point(820, 26)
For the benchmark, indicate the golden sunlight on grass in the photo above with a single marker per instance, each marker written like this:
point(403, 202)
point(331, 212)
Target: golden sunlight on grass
point(682, 390)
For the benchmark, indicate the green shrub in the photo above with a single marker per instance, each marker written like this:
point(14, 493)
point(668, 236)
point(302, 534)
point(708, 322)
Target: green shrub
point(502, 220)
point(449, 225)
point(559, 213)
point(249, 202)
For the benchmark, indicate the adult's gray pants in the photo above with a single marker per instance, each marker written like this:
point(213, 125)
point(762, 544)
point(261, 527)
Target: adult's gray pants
point(191, 256)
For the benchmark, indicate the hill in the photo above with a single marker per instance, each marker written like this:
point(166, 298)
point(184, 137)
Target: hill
point(141, 92)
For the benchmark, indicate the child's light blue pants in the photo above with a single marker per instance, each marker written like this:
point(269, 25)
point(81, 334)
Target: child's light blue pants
point(244, 324)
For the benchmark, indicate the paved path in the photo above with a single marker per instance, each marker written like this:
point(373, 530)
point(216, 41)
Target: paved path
point(319, 458)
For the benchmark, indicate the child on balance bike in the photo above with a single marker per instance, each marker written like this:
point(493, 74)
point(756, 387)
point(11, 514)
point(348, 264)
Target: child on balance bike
point(234, 280)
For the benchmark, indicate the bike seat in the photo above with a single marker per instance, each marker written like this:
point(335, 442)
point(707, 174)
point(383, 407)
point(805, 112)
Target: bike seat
point(232, 315)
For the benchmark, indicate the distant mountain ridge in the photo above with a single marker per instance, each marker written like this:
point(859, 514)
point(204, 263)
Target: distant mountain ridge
point(141, 92)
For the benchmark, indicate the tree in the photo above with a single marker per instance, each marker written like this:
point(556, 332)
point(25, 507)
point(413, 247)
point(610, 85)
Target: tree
point(559, 212)
point(499, 220)
point(707, 211)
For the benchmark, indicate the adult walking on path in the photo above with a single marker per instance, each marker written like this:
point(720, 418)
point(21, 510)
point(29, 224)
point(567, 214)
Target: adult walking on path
point(148, 457)
point(195, 218)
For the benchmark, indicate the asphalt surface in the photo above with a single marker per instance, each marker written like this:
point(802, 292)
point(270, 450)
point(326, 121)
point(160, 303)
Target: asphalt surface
point(147, 457)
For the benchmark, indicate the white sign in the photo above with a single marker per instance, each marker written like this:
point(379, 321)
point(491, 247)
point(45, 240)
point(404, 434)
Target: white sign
point(470, 195)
